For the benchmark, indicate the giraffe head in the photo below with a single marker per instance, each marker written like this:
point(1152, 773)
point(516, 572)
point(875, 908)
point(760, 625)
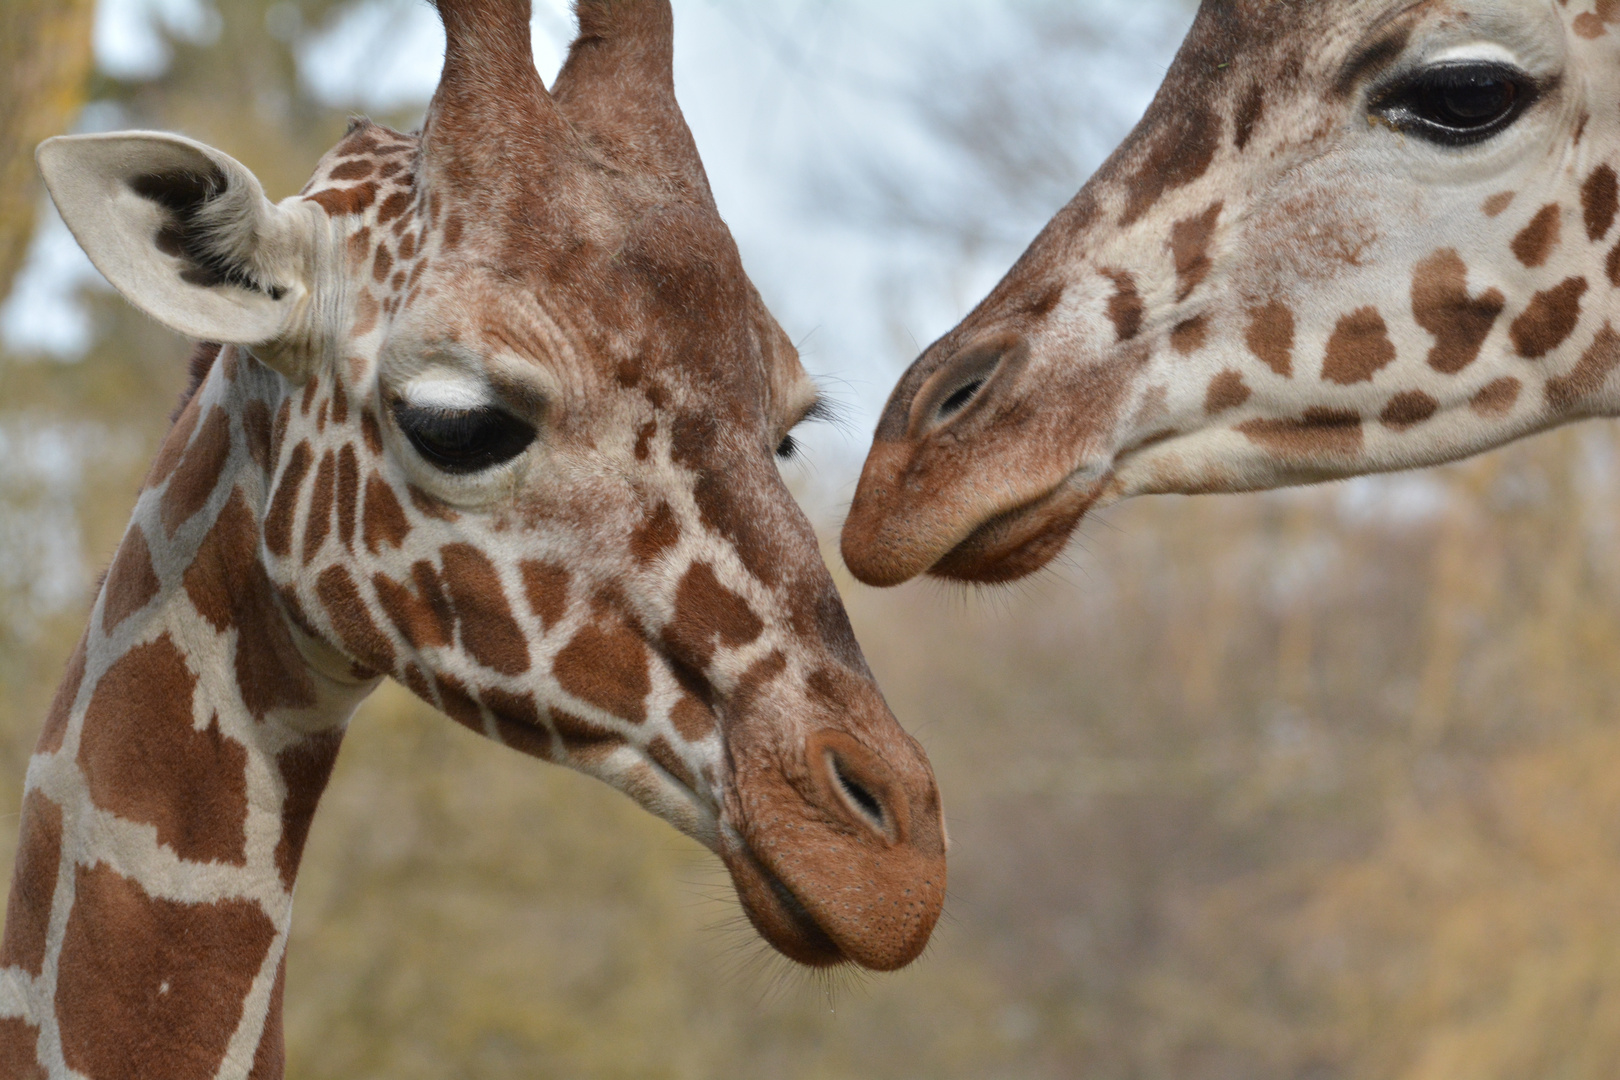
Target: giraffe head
point(519, 453)
point(1348, 236)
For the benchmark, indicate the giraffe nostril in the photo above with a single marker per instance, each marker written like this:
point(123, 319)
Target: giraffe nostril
point(858, 786)
point(864, 801)
point(963, 380)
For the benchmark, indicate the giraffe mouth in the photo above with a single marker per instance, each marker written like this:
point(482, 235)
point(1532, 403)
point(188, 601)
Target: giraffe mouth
point(779, 916)
point(1018, 542)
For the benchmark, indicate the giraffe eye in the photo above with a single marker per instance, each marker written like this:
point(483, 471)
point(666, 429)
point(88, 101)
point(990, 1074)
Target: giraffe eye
point(463, 440)
point(1457, 104)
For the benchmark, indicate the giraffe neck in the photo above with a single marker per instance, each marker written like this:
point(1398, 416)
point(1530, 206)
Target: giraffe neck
point(168, 800)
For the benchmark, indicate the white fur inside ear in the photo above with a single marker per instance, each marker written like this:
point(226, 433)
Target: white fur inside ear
point(183, 231)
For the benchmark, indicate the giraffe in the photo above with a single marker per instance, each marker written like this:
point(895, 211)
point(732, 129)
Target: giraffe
point(1348, 236)
point(492, 410)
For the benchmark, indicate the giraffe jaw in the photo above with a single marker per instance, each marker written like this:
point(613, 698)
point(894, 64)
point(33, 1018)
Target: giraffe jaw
point(1021, 541)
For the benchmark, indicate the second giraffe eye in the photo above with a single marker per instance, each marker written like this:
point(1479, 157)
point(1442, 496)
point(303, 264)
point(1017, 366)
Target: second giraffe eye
point(463, 440)
point(1457, 104)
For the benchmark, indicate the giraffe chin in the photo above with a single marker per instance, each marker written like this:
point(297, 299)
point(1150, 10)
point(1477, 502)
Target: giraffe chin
point(1018, 542)
point(779, 916)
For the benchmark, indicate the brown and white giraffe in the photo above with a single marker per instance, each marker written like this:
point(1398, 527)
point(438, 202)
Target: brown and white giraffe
point(497, 417)
point(1348, 236)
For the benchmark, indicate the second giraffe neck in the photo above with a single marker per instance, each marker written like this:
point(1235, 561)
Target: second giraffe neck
point(169, 798)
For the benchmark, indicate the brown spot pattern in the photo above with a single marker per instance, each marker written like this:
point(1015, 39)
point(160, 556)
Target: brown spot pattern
point(198, 473)
point(321, 497)
point(1536, 240)
point(1408, 409)
point(488, 631)
point(305, 768)
point(351, 619)
point(144, 761)
point(19, 1043)
point(61, 710)
point(1565, 393)
point(348, 494)
point(140, 976)
point(33, 884)
point(1226, 391)
point(692, 719)
point(175, 443)
point(131, 583)
point(1319, 432)
point(278, 521)
point(1271, 337)
point(546, 586)
point(229, 587)
point(1125, 307)
point(1189, 244)
point(607, 667)
point(1442, 306)
point(656, 534)
point(708, 616)
point(1359, 348)
point(1600, 200)
point(1189, 336)
point(1497, 203)
point(1497, 398)
point(1549, 320)
point(384, 523)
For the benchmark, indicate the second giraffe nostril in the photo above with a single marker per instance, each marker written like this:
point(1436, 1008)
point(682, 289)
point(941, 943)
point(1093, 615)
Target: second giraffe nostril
point(858, 788)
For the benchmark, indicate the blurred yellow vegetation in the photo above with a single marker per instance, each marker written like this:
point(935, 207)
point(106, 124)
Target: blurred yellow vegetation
point(1322, 784)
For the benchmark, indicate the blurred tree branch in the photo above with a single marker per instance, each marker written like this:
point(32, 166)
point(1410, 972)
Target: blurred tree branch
point(44, 66)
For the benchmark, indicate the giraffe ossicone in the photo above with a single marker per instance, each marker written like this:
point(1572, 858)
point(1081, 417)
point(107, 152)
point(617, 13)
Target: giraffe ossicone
point(1348, 236)
point(493, 412)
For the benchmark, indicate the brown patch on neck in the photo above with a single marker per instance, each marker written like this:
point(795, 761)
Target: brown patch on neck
point(1189, 244)
point(230, 588)
point(61, 710)
point(1600, 201)
point(19, 1041)
point(708, 616)
point(279, 520)
point(1125, 307)
point(149, 987)
point(199, 471)
point(33, 885)
point(605, 664)
point(1226, 391)
point(1319, 432)
point(1536, 240)
point(1359, 348)
point(1189, 336)
point(1407, 410)
point(346, 609)
point(1271, 337)
point(546, 587)
point(1495, 204)
point(1182, 149)
point(1497, 398)
point(131, 583)
point(488, 631)
point(145, 762)
point(656, 534)
point(305, 769)
point(1549, 319)
point(1566, 393)
point(1442, 306)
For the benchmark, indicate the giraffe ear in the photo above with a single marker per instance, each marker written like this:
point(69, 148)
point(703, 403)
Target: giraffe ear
point(183, 231)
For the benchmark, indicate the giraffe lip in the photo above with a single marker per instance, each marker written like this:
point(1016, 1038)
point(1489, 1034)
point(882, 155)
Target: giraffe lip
point(781, 918)
point(1018, 542)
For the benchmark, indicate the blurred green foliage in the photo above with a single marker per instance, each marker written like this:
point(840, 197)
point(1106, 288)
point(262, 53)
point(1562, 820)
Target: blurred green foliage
point(1315, 785)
